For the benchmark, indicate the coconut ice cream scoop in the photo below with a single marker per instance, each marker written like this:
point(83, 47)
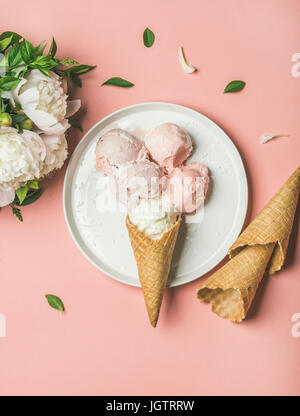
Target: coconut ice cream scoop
point(169, 145)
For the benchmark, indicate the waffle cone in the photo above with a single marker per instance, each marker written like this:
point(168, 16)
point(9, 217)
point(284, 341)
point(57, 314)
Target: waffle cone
point(262, 246)
point(273, 224)
point(153, 259)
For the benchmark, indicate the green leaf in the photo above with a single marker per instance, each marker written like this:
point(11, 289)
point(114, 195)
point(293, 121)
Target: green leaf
point(74, 122)
point(67, 62)
point(5, 43)
point(3, 66)
point(15, 36)
point(17, 118)
point(13, 56)
point(8, 83)
point(17, 212)
point(27, 51)
point(118, 82)
point(45, 62)
point(76, 80)
point(42, 70)
point(20, 130)
point(53, 48)
point(55, 302)
point(40, 48)
point(80, 69)
point(2, 105)
point(33, 184)
point(21, 193)
point(32, 196)
point(148, 37)
point(234, 86)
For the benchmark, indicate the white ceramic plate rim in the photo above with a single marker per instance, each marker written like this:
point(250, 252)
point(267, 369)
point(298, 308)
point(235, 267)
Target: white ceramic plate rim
point(238, 165)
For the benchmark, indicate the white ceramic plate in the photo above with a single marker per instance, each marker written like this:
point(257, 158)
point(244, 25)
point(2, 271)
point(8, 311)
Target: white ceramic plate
point(102, 236)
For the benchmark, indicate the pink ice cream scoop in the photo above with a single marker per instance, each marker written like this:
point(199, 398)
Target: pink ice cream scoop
point(188, 187)
point(139, 180)
point(116, 148)
point(168, 145)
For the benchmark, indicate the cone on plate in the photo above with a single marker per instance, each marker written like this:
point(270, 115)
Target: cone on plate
point(262, 246)
point(153, 259)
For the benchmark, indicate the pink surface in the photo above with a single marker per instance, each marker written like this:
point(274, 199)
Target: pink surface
point(104, 344)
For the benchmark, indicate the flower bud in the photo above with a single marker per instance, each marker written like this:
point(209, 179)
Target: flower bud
point(16, 108)
point(26, 124)
point(5, 120)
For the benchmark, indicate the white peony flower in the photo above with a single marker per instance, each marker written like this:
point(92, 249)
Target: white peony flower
point(21, 160)
point(44, 100)
point(56, 152)
point(6, 197)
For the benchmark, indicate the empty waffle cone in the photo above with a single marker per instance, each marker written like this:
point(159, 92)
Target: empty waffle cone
point(232, 288)
point(262, 246)
point(153, 259)
point(273, 224)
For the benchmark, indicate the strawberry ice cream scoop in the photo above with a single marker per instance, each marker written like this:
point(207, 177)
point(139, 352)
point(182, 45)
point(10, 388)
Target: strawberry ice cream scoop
point(168, 145)
point(188, 187)
point(139, 180)
point(116, 148)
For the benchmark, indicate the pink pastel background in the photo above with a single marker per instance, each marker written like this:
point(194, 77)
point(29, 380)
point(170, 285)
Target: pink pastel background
point(104, 344)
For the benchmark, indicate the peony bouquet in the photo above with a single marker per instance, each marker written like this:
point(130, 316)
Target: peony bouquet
point(34, 116)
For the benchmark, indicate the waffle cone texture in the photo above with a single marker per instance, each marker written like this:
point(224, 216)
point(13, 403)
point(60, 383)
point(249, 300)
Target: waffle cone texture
point(153, 259)
point(261, 247)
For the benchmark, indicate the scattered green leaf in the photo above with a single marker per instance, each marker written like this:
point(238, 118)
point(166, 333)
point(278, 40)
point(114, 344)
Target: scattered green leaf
point(55, 302)
point(148, 37)
point(234, 86)
point(118, 82)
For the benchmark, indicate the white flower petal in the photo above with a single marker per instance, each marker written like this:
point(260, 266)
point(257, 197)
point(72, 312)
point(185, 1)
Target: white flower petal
point(27, 134)
point(56, 152)
point(58, 128)
point(21, 157)
point(6, 197)
point(266, 137)
point(35, 76)
point(41, 119)
point(29, 99)
point(188, 68)
point(64, 84)
point(72, 107)
point(15, 92)
point(44, 101)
